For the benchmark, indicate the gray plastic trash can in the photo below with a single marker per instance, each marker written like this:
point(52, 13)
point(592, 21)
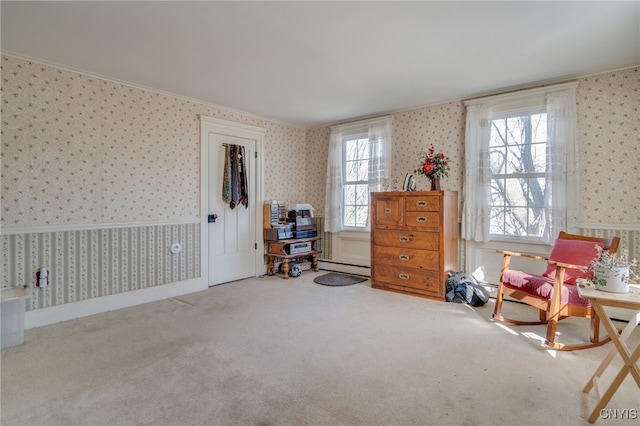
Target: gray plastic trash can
point(12, 316)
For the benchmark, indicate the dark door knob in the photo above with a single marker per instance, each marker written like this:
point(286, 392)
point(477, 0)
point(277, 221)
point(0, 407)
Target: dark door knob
point(212, 218)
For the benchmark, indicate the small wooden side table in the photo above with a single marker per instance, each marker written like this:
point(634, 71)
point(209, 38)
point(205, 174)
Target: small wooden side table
point(599, 299)
point(281, 249)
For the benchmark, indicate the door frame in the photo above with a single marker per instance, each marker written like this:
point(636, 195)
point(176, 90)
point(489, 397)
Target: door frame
point(229, 128)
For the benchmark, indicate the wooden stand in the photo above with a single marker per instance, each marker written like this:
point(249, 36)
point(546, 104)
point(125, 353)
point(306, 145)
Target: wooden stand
point(600, 299)
point(282, 250)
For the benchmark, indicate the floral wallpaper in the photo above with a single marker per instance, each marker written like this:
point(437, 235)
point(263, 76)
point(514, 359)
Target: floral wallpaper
point(81, 150)
point(609, 145)
point(608, 122)
point(414, 130)
point(317, 142)
point(77, 149)
point(285, 164)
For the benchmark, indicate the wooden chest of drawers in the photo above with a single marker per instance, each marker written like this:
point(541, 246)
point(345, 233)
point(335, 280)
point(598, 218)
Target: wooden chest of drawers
point(414, 241)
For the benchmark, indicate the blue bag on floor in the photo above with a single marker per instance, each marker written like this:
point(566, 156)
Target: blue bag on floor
point(463, 288)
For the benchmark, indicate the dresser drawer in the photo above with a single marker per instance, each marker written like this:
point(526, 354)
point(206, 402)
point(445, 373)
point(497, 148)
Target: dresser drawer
point(388, 212)
point(423, 203)
point(422, 220)
point(406, 257)
point(407, 239)
point(408, 277)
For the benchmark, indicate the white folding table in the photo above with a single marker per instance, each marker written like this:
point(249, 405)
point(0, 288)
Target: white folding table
point(599, 299)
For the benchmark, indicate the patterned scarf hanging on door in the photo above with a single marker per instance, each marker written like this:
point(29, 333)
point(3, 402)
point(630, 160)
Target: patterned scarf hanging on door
point(234, 181)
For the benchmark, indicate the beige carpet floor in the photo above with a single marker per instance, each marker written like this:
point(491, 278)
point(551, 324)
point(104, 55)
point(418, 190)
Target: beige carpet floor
point(268, 351)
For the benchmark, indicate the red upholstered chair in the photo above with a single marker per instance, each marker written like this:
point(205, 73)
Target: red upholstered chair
point(554, 292)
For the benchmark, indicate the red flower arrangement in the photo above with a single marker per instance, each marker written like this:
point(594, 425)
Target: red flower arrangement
point(433, 165)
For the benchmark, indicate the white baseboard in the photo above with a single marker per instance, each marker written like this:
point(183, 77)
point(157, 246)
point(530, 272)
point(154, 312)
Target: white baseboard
point(68, 311)
point(347, 269)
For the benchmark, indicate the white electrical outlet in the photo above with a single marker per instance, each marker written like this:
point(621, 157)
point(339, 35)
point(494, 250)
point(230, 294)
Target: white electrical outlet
point(43, 277)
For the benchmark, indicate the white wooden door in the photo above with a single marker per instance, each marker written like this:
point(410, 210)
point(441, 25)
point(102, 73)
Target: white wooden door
point(232, 237)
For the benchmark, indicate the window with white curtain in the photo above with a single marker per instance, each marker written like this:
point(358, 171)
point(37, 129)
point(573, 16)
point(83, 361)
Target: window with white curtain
point(359, 161)
point(518, 164)
point(521, 165)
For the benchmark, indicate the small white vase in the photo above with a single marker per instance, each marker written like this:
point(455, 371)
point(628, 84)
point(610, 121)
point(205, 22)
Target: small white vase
point(614, 280)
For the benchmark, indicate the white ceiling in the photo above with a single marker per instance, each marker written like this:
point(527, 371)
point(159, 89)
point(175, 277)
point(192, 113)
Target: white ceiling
point(311, 63)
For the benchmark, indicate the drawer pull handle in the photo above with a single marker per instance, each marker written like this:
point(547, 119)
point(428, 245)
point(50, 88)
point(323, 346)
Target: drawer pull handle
point(404, 257)
point(421, 204)
point(387, 210)
point(403, 276)
point(421, 219)
point(404, 239)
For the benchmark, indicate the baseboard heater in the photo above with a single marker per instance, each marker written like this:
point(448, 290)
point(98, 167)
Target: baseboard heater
point(332, 265)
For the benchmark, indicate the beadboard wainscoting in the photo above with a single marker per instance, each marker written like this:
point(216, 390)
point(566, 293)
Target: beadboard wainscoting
point(325, 244)
point(98, 261)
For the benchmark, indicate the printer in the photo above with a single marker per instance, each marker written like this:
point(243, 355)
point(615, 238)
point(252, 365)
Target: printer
point(301, 216)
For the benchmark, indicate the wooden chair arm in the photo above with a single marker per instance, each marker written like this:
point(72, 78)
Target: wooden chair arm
point(530, 256)
point(541, 258)
point(565, 265)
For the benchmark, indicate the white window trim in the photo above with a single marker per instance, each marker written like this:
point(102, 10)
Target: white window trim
point(524, 100)
point(333, 204)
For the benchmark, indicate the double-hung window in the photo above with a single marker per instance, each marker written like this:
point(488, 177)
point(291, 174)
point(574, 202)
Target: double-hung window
point(359, 162)
point(356, 181)
point(518, 163)
point(521, 165)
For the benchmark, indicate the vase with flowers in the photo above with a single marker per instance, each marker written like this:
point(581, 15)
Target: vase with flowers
point(611, 272)
point(434, 166)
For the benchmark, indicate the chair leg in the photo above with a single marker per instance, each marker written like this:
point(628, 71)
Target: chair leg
point(551, 332)
point(497, 310)
point(552, 326)
point(543, 315)
point(554, 308)
point(554, 317)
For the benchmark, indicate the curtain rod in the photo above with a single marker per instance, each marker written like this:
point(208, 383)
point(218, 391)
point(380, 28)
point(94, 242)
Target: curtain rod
point(523, 92)
point(362, 122)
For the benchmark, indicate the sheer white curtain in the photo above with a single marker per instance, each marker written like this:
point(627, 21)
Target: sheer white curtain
point(477, 178)
point(379, 157)
point(379, 135)
point(333, 207)
point(380, 154)
point(562, 161)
